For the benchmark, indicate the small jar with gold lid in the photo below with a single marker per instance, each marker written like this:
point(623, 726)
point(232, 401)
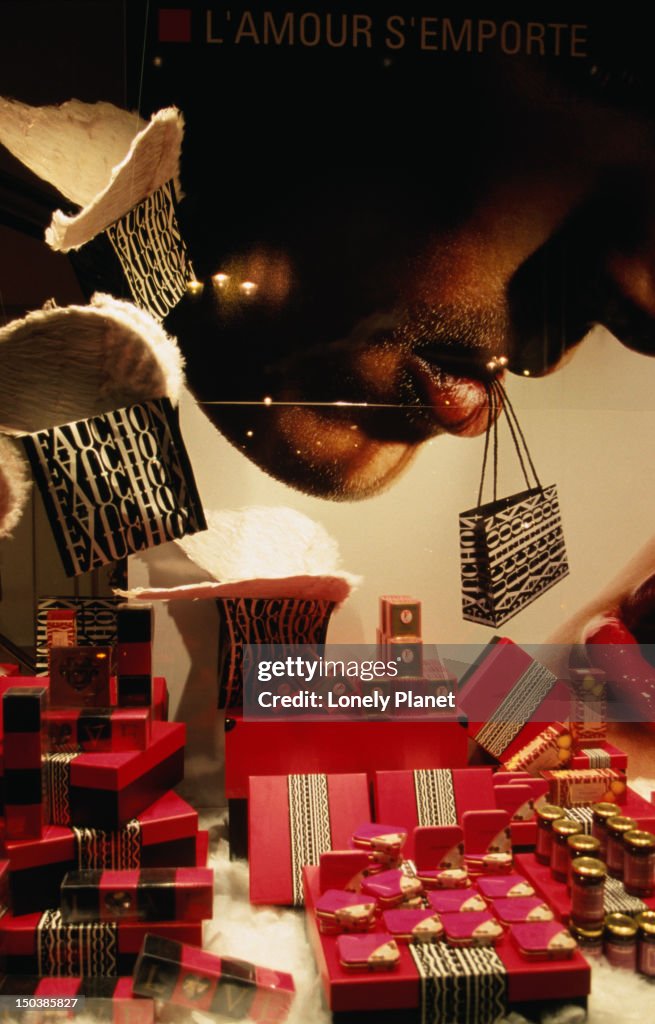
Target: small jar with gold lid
point(639, 863)
point(562, 829)
point(600, 815)
point(588, 893)
point(620, 941)
point(546, 815)
point(616, 829)
point(590, 941)
point(646, 943)
point(581, 845)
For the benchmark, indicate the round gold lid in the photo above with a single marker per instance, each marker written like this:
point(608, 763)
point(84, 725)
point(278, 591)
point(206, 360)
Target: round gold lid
point(638, 840)
point(567, 827)
point(582, 842)
point(621, 926)
point(589, 867)
point(586, 934)
point(550, 812)
point(618, 825)
point(602, 812)
point(646, 922)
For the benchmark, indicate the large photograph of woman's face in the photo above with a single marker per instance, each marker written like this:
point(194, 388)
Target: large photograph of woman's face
point(383, 213)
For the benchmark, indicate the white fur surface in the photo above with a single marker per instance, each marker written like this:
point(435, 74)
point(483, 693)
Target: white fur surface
point(102, 158)
point(63, 364)
point(74, 146)
point(260, 552)
point(262, 541)
point(153, 159)
point(14, 486)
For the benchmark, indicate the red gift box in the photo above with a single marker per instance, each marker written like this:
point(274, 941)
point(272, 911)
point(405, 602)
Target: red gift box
point(25, 808)
point(80, 677)
point(293, 820)
point(42, 944)
point(331, 746)
point(509, 698)
point(431, 797)
point(585, 786)
point(164, 835)
point(106, 790)
point(196, 980)
point(108, 999)
point(159, 695)
point(97, 730)
point(146, 894)
point(603, 756)
point(551, 748)
point(506, 976)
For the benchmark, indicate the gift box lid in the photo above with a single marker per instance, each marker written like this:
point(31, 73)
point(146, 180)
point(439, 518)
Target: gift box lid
point(438, 847)
point(521, 910)
point(391, 886)
point(347, 908)
point(376, 951)
point(457, 901)
point(431, 797)
point(169, 818)
point(548, 939)
point(495, 887)
point(413, 925)
point(517, 800)
point(480, 926)
point(293, 819)
point(115, 771)
point(388, 839)
point(486, 832)
point(344, 869)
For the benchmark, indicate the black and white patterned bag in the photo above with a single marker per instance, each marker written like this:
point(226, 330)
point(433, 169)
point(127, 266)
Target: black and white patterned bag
point(512, 549)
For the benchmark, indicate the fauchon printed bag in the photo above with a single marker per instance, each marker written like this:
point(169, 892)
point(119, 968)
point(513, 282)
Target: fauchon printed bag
point(512, 549)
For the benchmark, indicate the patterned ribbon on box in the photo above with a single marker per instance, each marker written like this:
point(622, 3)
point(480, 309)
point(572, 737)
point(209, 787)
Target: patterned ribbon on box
point(58, 781)
point(435, 797)
point(517, 708)
point(464, 985)
point(74, 950)
point(618, 901)
point(309, 822)
point(152, 253)
point(118, 850)
point(584, 815)
point(597, 757)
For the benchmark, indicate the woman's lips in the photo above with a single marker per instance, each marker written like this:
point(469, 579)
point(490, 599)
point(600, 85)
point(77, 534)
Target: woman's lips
point(456, 404)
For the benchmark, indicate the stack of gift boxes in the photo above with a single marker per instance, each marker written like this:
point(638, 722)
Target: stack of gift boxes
point(104, 884)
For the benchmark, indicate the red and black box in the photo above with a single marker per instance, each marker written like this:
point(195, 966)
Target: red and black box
point(134, 655)
point(80, 677)
point(97, 730)
point(25, 808)
point(149, 894)
point(42, 944)
point(191, 978)
point(164, 835)
point(107, 999)
point(106, 790)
